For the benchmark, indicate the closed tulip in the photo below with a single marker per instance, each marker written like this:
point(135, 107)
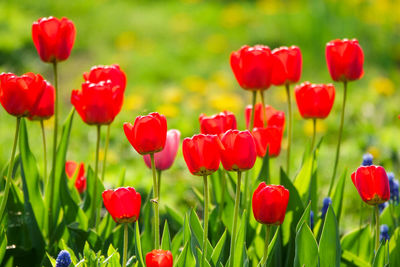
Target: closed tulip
point(239, 153)
point(159, 258)
point(217, 124)
point(123, 204)
point(268, 138)
point(148, 133)
point(45, 109)
point(314, 101)
point(345, 60)
point(273, 117)
point(252, 67)
point(287, 65)
point(20, 95)
point(165, 158)
point(98, 103)
point(372, 184)
point(80, 181)
point(105, 73)
point(53, 38)
point(269, 203)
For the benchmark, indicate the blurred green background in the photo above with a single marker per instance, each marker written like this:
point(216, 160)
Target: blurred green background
point(176, 57)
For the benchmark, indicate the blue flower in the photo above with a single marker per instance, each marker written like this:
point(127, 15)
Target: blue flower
point(394, 188)
point(312, 220)
point(63, 259)
point(325, 205)
point(367, 160)
point(382, 206)
point(384, 234)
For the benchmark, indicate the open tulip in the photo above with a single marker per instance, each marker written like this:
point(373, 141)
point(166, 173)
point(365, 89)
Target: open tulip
point(45, 108)
point(159, 258)
point(268, 138)
point(105, 73)
point(272, 117)
point(345, 60)
point(148, 133)
point(314, 101)
point(165, 158)
point(123, 204)
point(98, 103)
point(53, 38)
point(80, 181)
point(217, 124)
point(287, 63)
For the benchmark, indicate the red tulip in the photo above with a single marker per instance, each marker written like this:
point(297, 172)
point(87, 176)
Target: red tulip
point(53, 38)
point(287, 65)
point(345, 60)
point(20, 95)
point(217, 124)
point(272, 116)
point(123, 204)
point(269, 203)
point(372, 184)
point(98, 103)
point(165, 158)
point(239, 153)
point(80, 182)
point(252, 67)
point(314, 100)
point(148, 134)
point(202, 153)
point(159, 258)
point(268, 138)
point(105, 73)
point(45, 108)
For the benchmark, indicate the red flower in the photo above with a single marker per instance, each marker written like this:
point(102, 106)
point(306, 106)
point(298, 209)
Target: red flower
point(287, 65)
point(20, 95)
point(148, 134)
point(53, 38)
point(165, 158)
point(98, 103)
point(45, 108)
point(345, 60)
point(269, 203)
point(202, 153)
point(372, 184)
point(159, 258)
point(252, 67)
point(123, 204)
point(314, 100)
point(272, 116)
point(105, 73)
point(239, 153)
point(217, 124)
point(80, 182)
point(269, 138)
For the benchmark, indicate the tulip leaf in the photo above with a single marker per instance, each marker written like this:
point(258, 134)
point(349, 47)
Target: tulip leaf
point(185, 258)
point(272, 247)
point(174, 217)
point(305, 218)
point(87, 203)
point(138, 246)
point(148, 223)
point(177, 242)
point(306, 248)
point(394, 248)
point(337, 195)
point(353, 260)
point(329, 245)
point(381, 256)
point(217, 254)
point(239, 257)
point(199, 254)
point(197, 231)
point(264, 174)
point(360, 243)
point(3, 243)
point(166, 239)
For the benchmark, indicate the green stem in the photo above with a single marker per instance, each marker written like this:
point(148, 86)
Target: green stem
point(103, 172)
point(376, 228)
point(339, 138)
point(9, 172)
point(125, 244)
point(267, 233)
point(289, 132)
point(314, 134)
point(235, 218)
point(252, 115)
point(246, 186)
point(205, 234)
point(95, 214)
point(159, 184)
point(264, 117)
point(44, 152)
point(155, 204)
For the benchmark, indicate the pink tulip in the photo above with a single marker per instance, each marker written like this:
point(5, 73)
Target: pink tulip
point(166, 157)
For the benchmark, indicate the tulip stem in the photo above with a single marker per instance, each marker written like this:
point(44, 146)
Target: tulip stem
point(314, 134)
point(339, 138)
point(103, 171)
point(125, 244)
point(94, 218)
point(264, 116)
point(289, 132)
point(252, 115)
point(205, 221)
point(155, 204)
point(267, 233)
point(159, 183)
point(376, 228)
point(235, 218)
point(9, 172)
point(44, 152)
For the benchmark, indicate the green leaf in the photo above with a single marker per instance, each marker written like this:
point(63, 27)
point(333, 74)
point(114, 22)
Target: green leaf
point(360, 243)
point(166, 239)
point(381, 258)
point(239, 257)
point(272, 247)
point(185, 258)
point(200, 255)
point(353, 260)
point(329, 245)
point(174, 216)
point(217, 252)
point(337, 195)
point(305, 218)
point(197, 230)
point(306, 248)
point(394, 248)
point(138, 246)
point(3, 244)
point(51, 259)
point(264, 174)
point(87, 206)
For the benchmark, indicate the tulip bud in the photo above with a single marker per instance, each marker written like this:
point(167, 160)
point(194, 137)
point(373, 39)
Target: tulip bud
point(269, 138)
point(45, 107)
point(287, 65)
point(159, 258)
point(123, 204)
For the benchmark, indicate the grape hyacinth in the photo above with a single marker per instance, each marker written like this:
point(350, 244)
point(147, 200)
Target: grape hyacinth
point(394, 188)
point(63, 259)
point(312, 220)
point(382, 206)
point(367, 159)
point(326, 202)
point(384, 233)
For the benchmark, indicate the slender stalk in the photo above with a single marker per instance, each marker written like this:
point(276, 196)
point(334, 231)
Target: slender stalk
point(44, 152)
point(125, 244)
point(155, 205)
point(9, 172)
point(159, 184)
point(205, 234)
point(376, 228)
point(264, 116)
point(314, 134)
point(289, 132)
point(267, 233)
point(103, 171)
point(246, 186)
point(252, 115)
point(339, 138)
point(235, 218)
point(94, 218)
point(53, 165)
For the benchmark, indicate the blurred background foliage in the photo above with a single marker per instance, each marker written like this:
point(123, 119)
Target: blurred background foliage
point(176, 57)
